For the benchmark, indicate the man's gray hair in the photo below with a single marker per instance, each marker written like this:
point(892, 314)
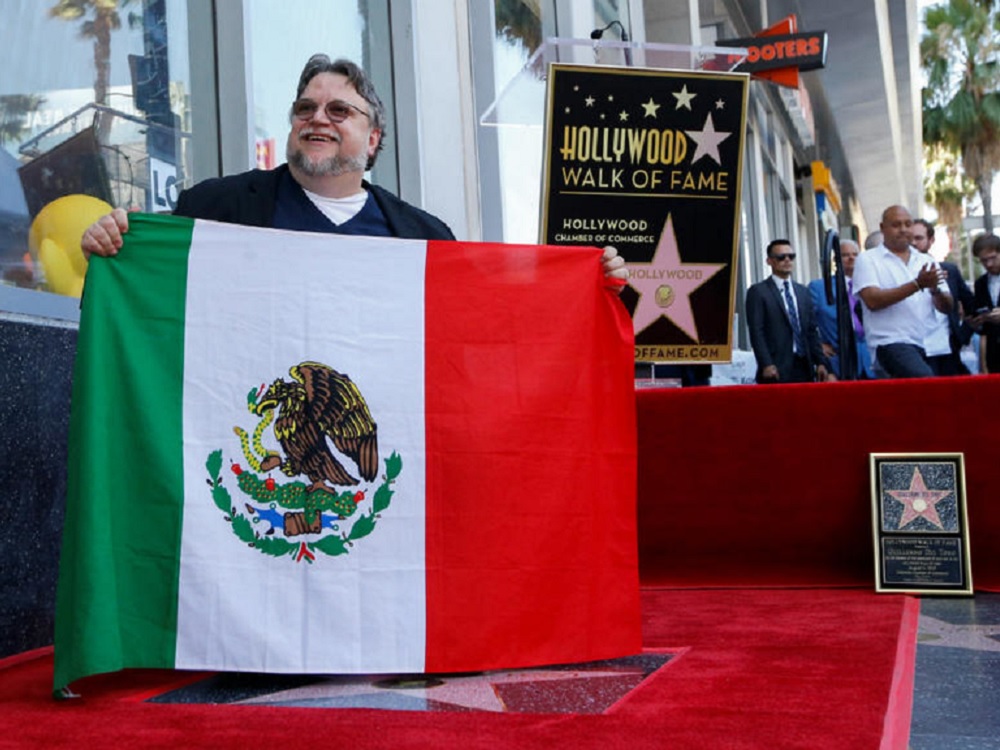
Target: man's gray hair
point(873, 240)
point(357, 77)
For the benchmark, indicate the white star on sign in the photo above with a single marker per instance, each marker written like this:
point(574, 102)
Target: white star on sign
point(650, 107)
point(708, 141)
point(684, 98)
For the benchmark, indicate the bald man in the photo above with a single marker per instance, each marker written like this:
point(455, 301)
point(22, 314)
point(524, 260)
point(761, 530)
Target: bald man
point(900, 288)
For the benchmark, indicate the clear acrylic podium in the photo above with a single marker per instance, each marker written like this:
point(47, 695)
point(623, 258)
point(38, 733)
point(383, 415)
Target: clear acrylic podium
point(517, 115)
point(522, 100)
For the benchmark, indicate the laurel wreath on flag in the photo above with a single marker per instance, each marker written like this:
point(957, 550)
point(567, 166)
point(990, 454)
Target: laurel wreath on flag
point(293, 495)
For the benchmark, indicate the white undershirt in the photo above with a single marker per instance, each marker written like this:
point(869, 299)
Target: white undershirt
point(339, 210)
point(993, 285)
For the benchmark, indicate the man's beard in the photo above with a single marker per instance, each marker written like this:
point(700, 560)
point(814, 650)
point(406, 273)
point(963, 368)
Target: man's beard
point(332, 166)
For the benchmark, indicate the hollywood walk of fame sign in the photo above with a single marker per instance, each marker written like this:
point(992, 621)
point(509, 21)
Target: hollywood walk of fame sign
point(920, 523)
point(650, 161)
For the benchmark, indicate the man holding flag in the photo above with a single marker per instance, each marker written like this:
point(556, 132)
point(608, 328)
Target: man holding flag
point(338, 125)
point(415, 482)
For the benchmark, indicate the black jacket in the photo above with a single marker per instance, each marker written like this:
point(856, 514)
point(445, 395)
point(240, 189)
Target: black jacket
point(249, 199)
point(771, 331)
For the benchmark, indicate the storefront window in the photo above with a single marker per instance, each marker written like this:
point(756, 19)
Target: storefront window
point(94, 103)
point(285, 35)
point(518, 33)
point(518, 27)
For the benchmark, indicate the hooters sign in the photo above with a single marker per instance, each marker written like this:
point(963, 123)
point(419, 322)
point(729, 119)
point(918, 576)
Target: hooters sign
point(780, 52)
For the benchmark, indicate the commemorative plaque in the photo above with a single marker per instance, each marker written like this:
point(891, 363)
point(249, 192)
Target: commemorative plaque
point(920, 523)
point(650, 161)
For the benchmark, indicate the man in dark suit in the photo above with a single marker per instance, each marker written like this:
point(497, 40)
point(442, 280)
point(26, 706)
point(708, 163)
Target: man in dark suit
point(337, 125)
point(987, 304)
point(782, 324)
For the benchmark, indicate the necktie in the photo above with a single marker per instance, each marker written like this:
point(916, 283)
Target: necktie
point(859, 329)
point(800, 344)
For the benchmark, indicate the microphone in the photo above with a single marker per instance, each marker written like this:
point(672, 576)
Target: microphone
point(598, 33)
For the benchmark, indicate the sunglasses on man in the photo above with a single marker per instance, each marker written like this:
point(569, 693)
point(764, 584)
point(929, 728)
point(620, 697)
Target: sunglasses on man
point(336, 110)
point(784, 256)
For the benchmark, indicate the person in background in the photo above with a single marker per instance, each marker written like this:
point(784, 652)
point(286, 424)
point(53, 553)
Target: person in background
point(826, 316)
point(782, 324)
point(900, 288)
point(986, 319)
point(873, 240)
point(949, 334)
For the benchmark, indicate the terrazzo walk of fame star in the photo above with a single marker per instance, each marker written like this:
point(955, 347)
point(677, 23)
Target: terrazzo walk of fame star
point(920, 497)
point(590, 688)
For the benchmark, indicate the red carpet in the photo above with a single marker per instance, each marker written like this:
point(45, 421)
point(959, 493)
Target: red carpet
point(812, 669)
point(769, 486)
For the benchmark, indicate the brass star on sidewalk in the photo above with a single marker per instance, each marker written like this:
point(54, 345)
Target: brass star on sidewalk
point(918, 501)
point(975, 636)
point(665, 285)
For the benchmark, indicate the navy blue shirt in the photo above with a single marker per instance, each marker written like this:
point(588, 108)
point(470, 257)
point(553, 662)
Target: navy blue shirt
point(293, 210)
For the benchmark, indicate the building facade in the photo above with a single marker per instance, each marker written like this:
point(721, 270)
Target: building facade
point(133, 100)
point(126, 102)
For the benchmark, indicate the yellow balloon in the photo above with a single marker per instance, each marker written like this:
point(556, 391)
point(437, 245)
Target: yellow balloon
point(54, 240)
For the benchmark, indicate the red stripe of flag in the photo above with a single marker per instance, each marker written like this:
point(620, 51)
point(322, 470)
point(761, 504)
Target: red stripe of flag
point(531, 455)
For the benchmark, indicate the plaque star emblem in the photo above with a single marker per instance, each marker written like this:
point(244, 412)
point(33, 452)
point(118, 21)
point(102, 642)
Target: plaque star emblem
point(665, 285)
point(651, 108)
point(684, 98)
point(708, 140)
point(918, 501)
point(589, 101)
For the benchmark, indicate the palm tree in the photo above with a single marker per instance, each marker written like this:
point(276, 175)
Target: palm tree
point(100, 18)
point(14, 112)
point(519, 22)
point(961, 102)
point(947, 189)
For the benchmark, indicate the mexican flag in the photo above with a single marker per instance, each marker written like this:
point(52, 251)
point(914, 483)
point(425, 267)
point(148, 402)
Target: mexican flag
point(307, 453)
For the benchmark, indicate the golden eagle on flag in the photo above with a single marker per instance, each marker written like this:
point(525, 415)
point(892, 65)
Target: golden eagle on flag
point(320, 402)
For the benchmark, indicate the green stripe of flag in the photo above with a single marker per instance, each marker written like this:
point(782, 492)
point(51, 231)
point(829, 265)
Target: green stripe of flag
point(117, 594)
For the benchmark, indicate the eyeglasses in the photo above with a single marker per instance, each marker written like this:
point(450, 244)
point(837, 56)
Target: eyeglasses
point(784, 256)
point(336, 110)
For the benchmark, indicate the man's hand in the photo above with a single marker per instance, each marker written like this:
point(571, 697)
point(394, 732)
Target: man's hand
point(104, 236)
point(930, 276)
point(770, 374)
point(993, 316)
point(828, 350)
point(823, 376)
point(615, 272)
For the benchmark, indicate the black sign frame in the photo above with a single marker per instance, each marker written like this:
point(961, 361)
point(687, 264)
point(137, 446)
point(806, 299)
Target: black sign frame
point(920, 523)
point(651, 161)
